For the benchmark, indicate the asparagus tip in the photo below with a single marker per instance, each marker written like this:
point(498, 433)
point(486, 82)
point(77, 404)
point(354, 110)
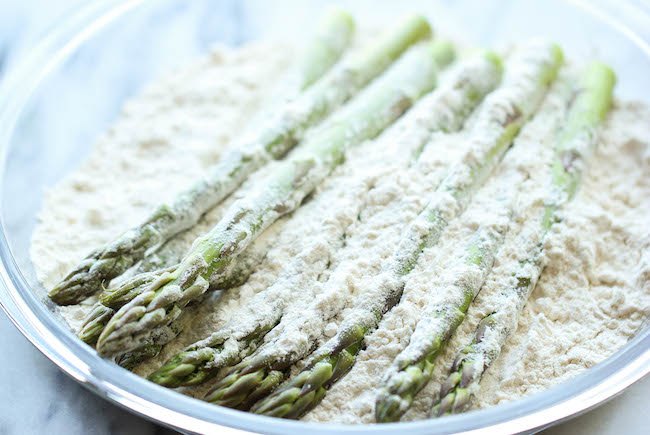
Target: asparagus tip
point(443, 51)
point(420, 23)
point(494, 58)
point(341, 16)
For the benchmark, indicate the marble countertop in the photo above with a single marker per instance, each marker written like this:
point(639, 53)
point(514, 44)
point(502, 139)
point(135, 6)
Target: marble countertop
point(38, 398)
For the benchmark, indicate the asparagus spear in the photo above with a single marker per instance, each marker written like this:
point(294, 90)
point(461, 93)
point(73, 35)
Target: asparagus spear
point(327, 46)
point(279, 194)
point(154, 344)
point(444, 110)
point(575, 145)
point(529, 73)
point(412, 369)
point(279, 135)
point(112, 299)
point(150, 347)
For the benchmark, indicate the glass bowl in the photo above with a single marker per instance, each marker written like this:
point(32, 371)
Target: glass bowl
point(71, 87)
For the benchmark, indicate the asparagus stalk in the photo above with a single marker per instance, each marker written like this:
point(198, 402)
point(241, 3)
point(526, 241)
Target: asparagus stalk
point(529, 74)
point(112, 299)
point(413, 367)
point(332, 37)
point(202, 360)
point(150, 347)
point(160, 336)
point(279, 135)
point(575, 145)
point(279, 194)
point(444, 110)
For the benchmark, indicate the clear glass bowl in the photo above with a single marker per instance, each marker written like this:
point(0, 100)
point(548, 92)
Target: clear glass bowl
point(71, 86)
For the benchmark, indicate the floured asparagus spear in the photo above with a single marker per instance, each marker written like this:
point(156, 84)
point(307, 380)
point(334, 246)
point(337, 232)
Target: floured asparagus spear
point(445, 311)
point(575, 145)
point(332, 38)
point(276, 137)
point(413, 366)
point(280, 193)
point(112, 299)
point(151, 347)
point(528, 75)
point(445, 109)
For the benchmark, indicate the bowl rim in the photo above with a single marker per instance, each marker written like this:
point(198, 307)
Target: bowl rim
point(56, 342)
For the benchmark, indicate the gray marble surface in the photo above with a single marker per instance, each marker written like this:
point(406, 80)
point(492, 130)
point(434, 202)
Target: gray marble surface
point(38, 398)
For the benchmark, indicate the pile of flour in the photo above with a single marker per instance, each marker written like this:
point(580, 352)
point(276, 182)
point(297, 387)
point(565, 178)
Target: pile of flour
point(592, 296)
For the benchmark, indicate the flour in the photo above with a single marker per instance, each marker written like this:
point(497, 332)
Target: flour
point(591, 298)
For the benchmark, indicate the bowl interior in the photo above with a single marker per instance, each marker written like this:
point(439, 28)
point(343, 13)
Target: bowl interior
point(66, 98)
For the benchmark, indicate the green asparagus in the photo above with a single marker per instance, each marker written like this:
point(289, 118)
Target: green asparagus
point(529, 74)
point(308, 388)
point(413, 367)
point(150, 347)
point(449, 108)
point(324, 50)
point(575, 144)
point(112, 299)
point(279, 194)
point(444, 110)
point(279, 135)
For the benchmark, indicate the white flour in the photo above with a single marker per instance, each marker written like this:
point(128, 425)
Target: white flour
point(592, 296)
